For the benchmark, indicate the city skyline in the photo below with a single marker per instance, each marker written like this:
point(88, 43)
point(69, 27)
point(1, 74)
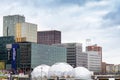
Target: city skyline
point(77, 20)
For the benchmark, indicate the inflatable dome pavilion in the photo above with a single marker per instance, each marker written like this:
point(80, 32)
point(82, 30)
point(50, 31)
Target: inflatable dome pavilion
point(60, 70)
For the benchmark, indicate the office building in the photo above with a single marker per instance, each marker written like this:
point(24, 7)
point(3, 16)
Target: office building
point(28, 55)
point(75, 56)
point(94, 48)
point(9, 23)
point(4, 52)
point(26, 32)
point(33, 54)
point(94, 61)
point(82, 59)
point(49, 37)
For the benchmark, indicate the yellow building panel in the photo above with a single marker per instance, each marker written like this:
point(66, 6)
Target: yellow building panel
point(2, 65)
point(18, 32)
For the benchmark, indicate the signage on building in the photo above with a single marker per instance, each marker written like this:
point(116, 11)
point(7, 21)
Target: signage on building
point(14, 55)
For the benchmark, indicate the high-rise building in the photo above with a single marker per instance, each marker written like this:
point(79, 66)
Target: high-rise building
point(94, 61)
point(82, 59)
point(94, 57)
point(49, 37)
point(9, 23)
point(75, 56)
point(26, 32)
point(94, 48)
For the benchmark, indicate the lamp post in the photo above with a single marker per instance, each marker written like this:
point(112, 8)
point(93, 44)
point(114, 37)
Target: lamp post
point(41, 73)
point(8, 47)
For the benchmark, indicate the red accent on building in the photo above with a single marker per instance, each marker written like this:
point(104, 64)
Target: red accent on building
point(94, 48)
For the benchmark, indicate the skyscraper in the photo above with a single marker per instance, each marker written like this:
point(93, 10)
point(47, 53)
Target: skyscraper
point(94, 61)
point(49, 37)
point(9, 23)
point(26, 32)
point(94, 48)
point(94, 57)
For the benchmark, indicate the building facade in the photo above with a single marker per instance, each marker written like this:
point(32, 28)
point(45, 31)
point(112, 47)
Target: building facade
point(110, 68)
point(33, 54)
point(4, 52)
point(103, 67)
point(82, 59)
point(49, 37)
point(94, 48)
point(75, 56)
point(26, 32)
point(94, 61)
point(9, 23)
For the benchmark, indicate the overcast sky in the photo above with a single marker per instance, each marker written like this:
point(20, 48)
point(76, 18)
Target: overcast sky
point(78, 20)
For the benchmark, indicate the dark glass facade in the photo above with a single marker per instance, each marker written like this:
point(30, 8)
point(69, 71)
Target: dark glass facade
point(25, 55)
point(3, 50)
point(49, 37)
point(33, 54)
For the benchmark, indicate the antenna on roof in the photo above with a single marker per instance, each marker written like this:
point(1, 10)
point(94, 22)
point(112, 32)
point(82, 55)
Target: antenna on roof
point(88, 42)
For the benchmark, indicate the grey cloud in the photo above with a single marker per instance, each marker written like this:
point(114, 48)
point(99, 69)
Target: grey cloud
point(113, 17)
point(53, 3)
point(74, 2)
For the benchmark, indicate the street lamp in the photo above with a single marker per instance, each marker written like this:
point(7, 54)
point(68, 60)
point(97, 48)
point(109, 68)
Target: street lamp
point(41, 73)
point(8, 46)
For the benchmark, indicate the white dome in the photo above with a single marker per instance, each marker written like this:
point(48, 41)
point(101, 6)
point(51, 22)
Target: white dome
point(82, 73)
point(41, 70)
point(61, 70)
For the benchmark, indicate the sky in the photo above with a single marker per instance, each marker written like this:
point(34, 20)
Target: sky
point(78, 20)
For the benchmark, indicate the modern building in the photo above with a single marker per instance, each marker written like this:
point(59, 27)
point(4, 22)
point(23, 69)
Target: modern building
point(26, 32)
point(74, 54)
point(49, 37)
point(110, 68)
point(4, 52)
point(33, 54)
point(82, 59)
point(94, 61)
point(9, 23)
point(94, 48)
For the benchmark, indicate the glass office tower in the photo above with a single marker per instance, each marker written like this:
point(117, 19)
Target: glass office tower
point(9, 23)
point(33, 54)
point(26, 32)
